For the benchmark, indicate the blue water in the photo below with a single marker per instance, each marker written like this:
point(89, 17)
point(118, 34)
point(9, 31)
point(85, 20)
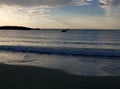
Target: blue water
point(81, 52)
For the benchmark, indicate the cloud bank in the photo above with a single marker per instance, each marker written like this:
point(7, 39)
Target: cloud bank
point(49, 3)
point(37, 13)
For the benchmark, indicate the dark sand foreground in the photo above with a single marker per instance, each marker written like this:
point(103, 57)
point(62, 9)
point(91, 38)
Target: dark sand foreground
point(28, 77)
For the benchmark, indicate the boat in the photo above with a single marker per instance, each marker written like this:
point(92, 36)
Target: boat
point(64, 30)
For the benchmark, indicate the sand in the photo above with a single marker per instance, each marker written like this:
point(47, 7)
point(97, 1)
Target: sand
point(29, 77)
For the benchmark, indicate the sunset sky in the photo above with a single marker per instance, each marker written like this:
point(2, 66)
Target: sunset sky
point(100, 14)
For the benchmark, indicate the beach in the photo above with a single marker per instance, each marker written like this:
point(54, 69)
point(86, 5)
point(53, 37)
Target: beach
point(29, 77)
point(59, 44)
point(47, 59)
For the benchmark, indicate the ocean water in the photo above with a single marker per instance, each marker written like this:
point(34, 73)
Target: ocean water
point(79, 52)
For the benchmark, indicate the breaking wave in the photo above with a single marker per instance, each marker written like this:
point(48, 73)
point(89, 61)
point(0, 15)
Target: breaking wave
point(63, 50)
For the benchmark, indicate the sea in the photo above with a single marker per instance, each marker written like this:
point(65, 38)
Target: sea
point(88, 52)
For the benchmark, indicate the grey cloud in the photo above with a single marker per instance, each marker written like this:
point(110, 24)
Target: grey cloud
point(109, 2)
point(116, 2)
point(49, 3)
point(35, 2)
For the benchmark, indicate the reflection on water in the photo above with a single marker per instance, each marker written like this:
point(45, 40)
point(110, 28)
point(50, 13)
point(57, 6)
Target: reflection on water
point(80, 39)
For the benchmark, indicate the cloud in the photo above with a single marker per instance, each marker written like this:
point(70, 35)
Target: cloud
point(27, 3)
point(111, 7)
point(82, 2)
point(48, 3)
point(116, 2)
point(109, 3)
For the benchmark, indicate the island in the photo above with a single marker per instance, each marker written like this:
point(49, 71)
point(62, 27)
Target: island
point(17, 28)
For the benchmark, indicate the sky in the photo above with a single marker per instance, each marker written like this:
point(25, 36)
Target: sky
point(80, 14)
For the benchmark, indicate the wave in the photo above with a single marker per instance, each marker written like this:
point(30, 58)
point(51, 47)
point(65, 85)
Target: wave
point(90, 43)
point(63, 50)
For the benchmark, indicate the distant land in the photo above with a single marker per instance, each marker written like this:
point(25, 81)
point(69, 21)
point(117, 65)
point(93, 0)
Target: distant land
point(26, 28)
point(17, 28)
point(29, 28)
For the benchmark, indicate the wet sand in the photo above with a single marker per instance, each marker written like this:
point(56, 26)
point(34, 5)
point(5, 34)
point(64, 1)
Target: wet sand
point(29, 77)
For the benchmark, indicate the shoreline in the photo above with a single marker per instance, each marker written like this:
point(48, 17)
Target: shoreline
point(29, 77)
